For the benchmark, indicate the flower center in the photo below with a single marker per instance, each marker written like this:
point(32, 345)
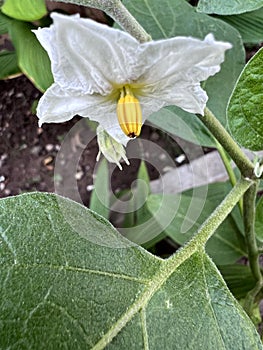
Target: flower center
point(129, 113)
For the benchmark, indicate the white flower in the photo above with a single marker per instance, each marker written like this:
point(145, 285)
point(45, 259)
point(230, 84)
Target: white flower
point(108, 76)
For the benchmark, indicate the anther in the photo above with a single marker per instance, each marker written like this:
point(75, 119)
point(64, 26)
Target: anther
point(129, 113)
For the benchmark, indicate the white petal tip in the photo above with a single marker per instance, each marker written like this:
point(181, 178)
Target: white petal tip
point(119, 166)
point(98, 156)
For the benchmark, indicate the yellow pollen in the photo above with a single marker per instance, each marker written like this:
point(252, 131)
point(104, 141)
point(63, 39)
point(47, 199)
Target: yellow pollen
point(129, 113)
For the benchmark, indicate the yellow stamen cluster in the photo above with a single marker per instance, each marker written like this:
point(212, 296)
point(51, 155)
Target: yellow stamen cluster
point(129, 113)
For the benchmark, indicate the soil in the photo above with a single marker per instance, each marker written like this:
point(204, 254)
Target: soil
point(28, 152)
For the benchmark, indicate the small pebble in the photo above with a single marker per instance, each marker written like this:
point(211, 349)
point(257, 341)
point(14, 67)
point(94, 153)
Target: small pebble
point(7, 192)
point(79, 175)
point(90, 188)
point(49, 147)
point(180, 158)
point(47, 160)
point(35, 150)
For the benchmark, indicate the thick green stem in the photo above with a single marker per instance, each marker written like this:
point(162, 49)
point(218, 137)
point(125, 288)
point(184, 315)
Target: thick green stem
point(253, 252)
point(230, 171)
point(243, 163)
point(118, 12)
point(249, 224)
point(215, 219)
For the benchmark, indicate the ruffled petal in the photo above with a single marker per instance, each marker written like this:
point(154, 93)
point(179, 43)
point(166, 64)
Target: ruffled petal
point(86, 56)
point(175, 67)
point(57, 106)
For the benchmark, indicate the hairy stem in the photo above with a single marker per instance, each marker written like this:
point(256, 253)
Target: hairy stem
point(243, 163)
point(230, 171)
point(118, 12)
point(215, 219)
point(253, 252)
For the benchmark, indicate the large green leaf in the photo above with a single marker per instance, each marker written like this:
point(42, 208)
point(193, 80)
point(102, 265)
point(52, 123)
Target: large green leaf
point(32, 58)
point(65, 285)
point(248, 24)
point(226, 245)
point(245, 109)
point(168, 18)
point(229, 7)
point(25, 10)
point(8, 64)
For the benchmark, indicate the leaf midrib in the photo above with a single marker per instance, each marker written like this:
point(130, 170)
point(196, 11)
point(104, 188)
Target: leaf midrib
point(167, 267)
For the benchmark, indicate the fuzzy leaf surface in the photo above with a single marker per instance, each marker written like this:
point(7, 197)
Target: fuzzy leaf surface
point(245, 108)
point(68, 280)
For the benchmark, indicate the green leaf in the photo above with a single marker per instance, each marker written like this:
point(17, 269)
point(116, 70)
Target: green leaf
point(25, 10)
point(238, 279)
point(32, 58)
point(230, 7)
point(141, 193)
point(181, 123)
point(169, 18)
point(139, 224)
point(8, 64)
point(190, 209)
point(259, 220)
point(68, 281)
point(248, 24)
point(245, 108)
point(100, 197)
point(4, 22)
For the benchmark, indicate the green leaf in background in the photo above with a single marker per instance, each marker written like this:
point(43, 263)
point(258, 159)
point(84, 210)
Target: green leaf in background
point(100, 196)
point(32, 58)
point(8, 64)
point(62, 287)
point(4, 22)
point(139, 225)
point(25, 10)
point(238, 279)
point(259, 220)
point(142, 192)
point(245, 108)
point(229, 7)
point(248, 24)
point(169, 18)
point(227, 243)
point(183, 124)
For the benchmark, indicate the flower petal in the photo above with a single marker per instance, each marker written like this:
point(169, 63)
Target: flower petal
point(57, 105)
point(175, 67)
point(86, 56)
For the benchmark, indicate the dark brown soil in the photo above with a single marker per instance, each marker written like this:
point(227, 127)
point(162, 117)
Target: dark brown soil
point(28, 153)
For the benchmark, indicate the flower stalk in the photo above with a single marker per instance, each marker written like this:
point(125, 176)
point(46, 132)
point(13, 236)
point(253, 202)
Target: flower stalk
point(232, 177)
point(118, 12)
point(219, 132)
point(213, 221)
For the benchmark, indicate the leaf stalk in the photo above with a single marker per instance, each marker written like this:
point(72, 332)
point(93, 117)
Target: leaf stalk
point(253, 252)
point(245, 166)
